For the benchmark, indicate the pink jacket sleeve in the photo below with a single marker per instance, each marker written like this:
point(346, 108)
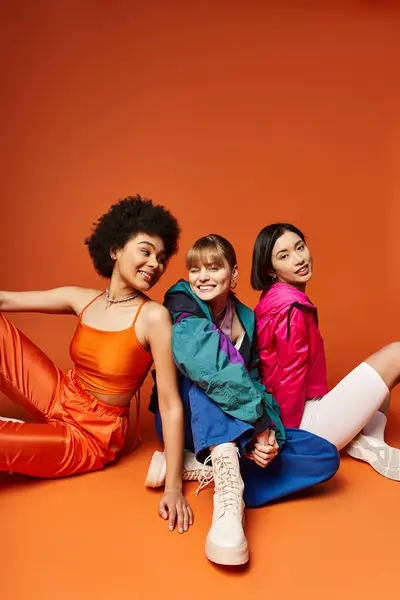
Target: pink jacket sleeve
point(292, 354)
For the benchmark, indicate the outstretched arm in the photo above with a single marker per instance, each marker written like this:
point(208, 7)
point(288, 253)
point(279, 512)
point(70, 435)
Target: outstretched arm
point(64, 300)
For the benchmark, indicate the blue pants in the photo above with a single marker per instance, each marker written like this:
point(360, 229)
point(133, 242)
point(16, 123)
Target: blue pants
point(304, 460)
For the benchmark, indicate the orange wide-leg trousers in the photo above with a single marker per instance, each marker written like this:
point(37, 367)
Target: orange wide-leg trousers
point(73, 432)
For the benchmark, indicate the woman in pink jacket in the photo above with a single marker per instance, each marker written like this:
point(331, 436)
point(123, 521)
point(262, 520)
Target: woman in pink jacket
point(292, 358)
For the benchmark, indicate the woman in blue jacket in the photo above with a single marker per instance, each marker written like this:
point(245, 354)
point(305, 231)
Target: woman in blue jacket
point(230, 419)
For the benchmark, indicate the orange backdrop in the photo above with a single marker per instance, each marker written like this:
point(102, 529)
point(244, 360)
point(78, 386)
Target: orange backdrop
point(233, 114)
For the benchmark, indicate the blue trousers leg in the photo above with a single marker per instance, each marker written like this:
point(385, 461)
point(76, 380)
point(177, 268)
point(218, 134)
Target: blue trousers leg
point(206, 424)
point(305, 460)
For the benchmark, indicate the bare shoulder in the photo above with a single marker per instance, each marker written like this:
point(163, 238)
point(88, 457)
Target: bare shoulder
point(156, 314)
point(80, 297)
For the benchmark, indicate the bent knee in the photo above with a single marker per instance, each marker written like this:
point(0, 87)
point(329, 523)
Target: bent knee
point(4, 323)
point(392, 349)
point(332, 459)
point(386, 362)
point(335, 459)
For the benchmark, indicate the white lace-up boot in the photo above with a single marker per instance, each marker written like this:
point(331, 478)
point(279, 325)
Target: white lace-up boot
point(226, 543)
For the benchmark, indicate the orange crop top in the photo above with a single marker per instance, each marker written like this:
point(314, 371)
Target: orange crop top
point(109, 362)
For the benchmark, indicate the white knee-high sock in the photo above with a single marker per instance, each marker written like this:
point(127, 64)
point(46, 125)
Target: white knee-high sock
point(375, 428)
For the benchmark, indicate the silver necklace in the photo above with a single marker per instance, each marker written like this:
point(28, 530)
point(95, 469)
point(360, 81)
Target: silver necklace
point(220, 312)
point(119, 300)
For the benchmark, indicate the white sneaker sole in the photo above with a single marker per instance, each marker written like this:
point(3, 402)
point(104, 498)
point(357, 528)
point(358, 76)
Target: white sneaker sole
point(222, 555)
point(156, 473)
point(387, 461)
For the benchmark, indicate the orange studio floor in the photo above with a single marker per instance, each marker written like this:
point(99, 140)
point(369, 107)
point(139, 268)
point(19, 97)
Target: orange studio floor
point(99, 536)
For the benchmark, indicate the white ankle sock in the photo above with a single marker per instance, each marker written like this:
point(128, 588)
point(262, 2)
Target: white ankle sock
point(375, 429)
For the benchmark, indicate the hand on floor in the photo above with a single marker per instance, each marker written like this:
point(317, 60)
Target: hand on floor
point(264, 449)
point(176, 509)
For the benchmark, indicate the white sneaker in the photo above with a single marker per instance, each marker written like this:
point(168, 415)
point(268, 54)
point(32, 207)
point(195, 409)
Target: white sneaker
point(192, 470)
point(226, 543)
point(383, 458)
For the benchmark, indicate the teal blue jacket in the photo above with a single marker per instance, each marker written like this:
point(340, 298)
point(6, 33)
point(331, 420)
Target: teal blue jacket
point(208, 358)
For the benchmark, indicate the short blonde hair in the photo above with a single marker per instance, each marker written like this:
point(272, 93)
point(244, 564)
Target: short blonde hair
point(211, 249)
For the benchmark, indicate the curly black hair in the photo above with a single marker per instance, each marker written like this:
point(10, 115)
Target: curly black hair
point(123, 221)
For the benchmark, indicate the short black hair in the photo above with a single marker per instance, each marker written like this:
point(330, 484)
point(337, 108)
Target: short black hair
point(124, 220)
point(262, 253)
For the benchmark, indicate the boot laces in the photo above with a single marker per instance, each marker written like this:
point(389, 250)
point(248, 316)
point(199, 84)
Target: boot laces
point(204, 475)
point(227, 484)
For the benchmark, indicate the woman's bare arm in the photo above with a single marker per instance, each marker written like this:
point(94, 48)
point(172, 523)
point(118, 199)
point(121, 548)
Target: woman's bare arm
point(62, 300)
point(171, 410)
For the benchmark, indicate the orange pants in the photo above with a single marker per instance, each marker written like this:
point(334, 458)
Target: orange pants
point(74, 433)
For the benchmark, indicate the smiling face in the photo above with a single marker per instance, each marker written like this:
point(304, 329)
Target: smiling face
point(211, 280)
point(141, 262)
point(211, 263)
point(291, 260)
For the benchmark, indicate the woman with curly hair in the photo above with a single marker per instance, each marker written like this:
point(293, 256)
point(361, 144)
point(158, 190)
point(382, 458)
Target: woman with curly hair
point(81, 417)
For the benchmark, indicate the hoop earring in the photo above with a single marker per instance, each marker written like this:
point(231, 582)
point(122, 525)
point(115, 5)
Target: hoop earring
point(274, 279)
point(233, 285)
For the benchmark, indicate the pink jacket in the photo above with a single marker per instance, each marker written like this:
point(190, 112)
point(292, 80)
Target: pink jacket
point(292, 356)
